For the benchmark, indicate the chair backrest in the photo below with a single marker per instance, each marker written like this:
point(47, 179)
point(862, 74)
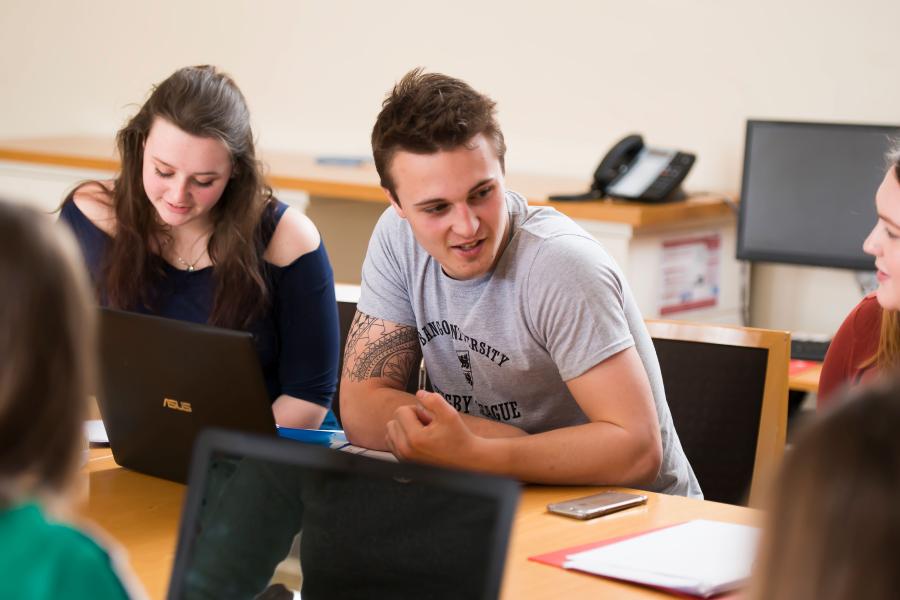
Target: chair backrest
point(346, 312)
point(727, 389)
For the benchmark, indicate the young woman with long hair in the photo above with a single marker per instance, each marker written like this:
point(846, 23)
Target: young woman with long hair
point(868, 341)
point(189, 230)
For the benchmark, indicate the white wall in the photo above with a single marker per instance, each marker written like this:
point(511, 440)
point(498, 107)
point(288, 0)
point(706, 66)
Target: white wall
point(570, 77)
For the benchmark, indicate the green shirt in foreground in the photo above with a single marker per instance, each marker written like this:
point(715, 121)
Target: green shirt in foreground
point(41, 559)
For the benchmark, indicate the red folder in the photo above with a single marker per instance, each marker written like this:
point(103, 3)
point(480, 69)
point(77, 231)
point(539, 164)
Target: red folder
point(558, 557)
point(796, 366)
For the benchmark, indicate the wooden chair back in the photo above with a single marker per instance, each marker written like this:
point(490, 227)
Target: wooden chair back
point(727, 389)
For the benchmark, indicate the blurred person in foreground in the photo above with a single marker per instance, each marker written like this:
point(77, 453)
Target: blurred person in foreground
point(834, 527)
point(46, 363)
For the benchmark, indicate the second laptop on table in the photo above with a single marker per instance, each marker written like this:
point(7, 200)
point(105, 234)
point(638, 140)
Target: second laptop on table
point(162, 381)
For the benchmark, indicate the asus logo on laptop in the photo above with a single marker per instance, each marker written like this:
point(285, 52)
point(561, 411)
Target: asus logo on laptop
point(176, 405)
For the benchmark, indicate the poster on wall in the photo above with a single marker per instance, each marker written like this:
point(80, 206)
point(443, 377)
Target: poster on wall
point(689, 267)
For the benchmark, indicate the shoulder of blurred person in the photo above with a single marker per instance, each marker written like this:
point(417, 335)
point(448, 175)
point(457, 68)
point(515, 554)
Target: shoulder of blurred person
point(81, 567)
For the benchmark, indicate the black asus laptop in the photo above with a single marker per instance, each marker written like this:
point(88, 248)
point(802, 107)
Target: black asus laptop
point(368, 528)
point(163, 381)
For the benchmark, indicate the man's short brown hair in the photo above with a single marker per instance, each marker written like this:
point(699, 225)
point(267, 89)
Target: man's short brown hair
point(429, 112)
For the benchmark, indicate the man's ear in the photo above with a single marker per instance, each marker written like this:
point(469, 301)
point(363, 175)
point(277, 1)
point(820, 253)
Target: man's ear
point(394, 202)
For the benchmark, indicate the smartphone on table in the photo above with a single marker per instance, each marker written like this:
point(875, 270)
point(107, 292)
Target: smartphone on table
point(596, 505)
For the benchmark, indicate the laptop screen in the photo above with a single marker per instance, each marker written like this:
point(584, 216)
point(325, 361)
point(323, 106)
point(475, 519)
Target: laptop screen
point(266, 518)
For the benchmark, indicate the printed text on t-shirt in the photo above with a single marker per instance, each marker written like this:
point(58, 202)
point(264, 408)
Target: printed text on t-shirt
point(434, 329)
point(502, 411)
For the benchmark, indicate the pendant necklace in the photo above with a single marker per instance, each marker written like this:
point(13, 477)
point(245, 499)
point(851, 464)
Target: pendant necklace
point(190, 267)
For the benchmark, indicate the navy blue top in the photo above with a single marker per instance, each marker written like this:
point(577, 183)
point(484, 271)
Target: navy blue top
point(297, 338)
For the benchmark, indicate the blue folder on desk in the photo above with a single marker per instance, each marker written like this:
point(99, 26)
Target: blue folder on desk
point(330, 438)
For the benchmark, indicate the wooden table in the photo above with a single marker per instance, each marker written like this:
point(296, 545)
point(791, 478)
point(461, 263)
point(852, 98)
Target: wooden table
point(143, 513)
point(806, 379)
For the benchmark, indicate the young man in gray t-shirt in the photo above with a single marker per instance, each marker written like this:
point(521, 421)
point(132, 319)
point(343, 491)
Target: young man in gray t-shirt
point(540, 360)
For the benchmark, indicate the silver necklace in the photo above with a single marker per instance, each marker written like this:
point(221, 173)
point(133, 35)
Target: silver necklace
point(190, 267)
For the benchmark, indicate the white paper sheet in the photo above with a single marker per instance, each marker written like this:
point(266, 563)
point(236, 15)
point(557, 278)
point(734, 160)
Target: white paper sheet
point(360, 451)
point(95, 431)
point(698, 557)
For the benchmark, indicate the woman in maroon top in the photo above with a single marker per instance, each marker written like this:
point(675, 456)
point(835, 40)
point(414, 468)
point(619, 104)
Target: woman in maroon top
point(868, 341)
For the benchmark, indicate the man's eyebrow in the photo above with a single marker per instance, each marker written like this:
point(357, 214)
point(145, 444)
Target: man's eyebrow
point(165, 164)
point(480, 184)
point(438, 200)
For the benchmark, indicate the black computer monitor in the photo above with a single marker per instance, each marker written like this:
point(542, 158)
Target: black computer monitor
point(808, 192)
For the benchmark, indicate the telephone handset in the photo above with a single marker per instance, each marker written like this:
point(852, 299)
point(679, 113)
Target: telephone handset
point(632, 171)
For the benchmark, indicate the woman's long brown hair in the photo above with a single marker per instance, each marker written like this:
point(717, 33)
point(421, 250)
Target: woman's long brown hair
point(203, 102)
point(888, 353)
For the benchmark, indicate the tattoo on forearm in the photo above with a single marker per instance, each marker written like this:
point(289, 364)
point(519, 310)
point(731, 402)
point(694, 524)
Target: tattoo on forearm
point(377, 349)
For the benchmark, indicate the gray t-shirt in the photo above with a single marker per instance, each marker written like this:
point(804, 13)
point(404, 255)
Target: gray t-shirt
point(503, 345)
